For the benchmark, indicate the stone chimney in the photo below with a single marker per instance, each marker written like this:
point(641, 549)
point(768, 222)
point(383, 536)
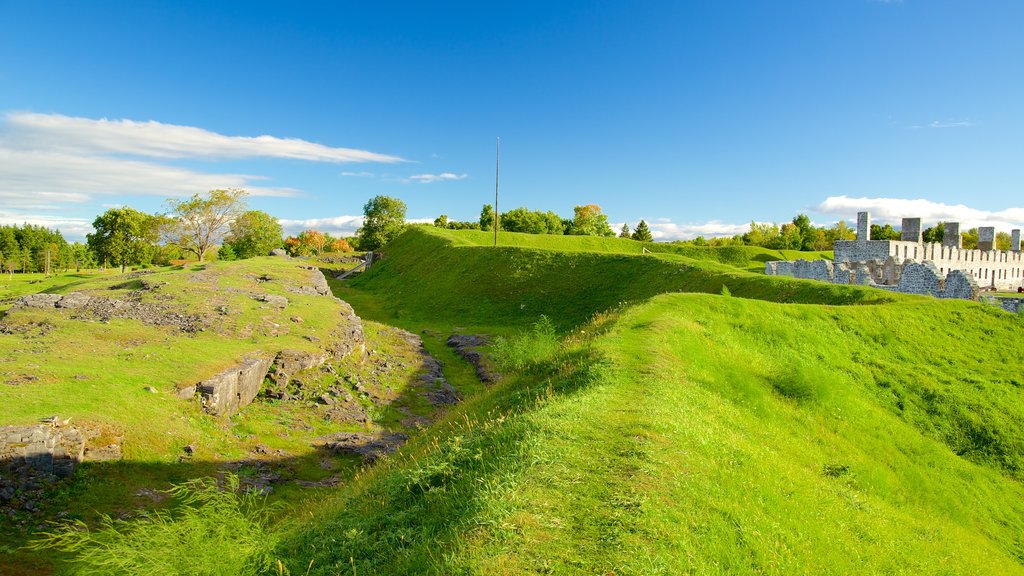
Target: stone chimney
point(863, 226)
point(911, 230)
point(987, 238)
point(951, 235)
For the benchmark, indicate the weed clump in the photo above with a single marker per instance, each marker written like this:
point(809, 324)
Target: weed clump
point(528, 348)
point(218, 529)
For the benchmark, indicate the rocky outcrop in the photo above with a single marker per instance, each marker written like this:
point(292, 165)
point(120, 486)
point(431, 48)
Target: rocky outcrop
point(347, 336)
point(233, 389)
point(88, 307)
point(290, 362)
point(436, 388)
point(316, 285)
point(465, 345)
point(278, 252)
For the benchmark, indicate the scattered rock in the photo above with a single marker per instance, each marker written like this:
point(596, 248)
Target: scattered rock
point(190, 449)
point(186, 393)
point(151, 390)
point(74, 301)
point(370, 446)
point(272, 299)
point(94, 307)
point(37, 301)
point(279, 252)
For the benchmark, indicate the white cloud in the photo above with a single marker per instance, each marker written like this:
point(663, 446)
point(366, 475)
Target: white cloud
point(442, 177)
point(34, 178)
point(357, 174)
point(73, 229)
point(157, 140)
point(964, 124)
point(893, 210)
point(664, 230)
point(945, 124)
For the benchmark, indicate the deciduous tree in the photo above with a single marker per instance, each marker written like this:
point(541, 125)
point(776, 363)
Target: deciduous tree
point(589, 221)
point(254, 233)
point(384, 218)
point(123, 236)
point(196, 224)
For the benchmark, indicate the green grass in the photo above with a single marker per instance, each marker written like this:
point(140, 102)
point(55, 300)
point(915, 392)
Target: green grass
point(675, 413)
point(98, 374)
point(428, 274)
point(706, 434)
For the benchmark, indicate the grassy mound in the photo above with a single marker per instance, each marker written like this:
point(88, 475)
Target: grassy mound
point(708, 434)
point(429, 273)
point(115, 370)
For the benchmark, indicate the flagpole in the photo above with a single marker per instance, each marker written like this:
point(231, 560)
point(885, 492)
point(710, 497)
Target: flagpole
point(497, 157)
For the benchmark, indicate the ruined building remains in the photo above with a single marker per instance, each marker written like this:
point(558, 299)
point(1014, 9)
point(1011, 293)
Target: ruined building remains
point(913, 266)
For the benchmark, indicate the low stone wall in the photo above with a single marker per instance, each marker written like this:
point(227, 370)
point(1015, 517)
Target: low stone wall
point(908, 277)
point(1014, 305)
point(230, 391)
point(42, 448)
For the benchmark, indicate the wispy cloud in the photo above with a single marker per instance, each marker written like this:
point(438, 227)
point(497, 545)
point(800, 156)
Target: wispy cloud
point(442, 177)
point(73, 229)
point(35, 177)
point(939, 124)
point(663, 229)
point(51, 161)
point(893, 210)
point(357, 174)
point(157, 140)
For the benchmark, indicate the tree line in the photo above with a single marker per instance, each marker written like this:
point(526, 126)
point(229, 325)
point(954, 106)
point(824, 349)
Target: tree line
point(220, 223)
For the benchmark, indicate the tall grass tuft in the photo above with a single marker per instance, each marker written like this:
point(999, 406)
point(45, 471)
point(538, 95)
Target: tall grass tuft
point(527, 348)
point(217, 529)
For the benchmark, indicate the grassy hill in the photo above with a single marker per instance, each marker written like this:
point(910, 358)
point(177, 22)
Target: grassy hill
point(117, 376)
point(690, 432)
point(429, 273)
point(707, 434)
point(665, 428)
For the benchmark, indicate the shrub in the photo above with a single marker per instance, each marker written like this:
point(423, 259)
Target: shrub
point(527, 348)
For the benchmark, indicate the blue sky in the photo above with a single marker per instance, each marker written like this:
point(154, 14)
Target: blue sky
point(696, 116)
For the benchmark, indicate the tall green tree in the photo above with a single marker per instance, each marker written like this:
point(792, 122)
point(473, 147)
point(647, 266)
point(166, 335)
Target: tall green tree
point(1003, 240)
point(487, 218)
point(624, 232)
point(970, 239)
point(886, 232)
point(196, 224)
point(384, 218)
point(254, 233)
point(123, 236)
point(589, 221)
point(642, 233)
point(935, 234)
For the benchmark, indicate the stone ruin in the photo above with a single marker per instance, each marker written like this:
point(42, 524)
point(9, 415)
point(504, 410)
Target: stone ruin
point(912, 266)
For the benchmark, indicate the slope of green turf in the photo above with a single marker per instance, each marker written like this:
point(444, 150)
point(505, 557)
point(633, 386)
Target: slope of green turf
point(705, 434)
point(430, 273)
point(740, 256)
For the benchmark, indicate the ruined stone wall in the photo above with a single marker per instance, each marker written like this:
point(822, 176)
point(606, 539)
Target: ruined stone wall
point(913, 277)
point(43, 448)
point(991, 269)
